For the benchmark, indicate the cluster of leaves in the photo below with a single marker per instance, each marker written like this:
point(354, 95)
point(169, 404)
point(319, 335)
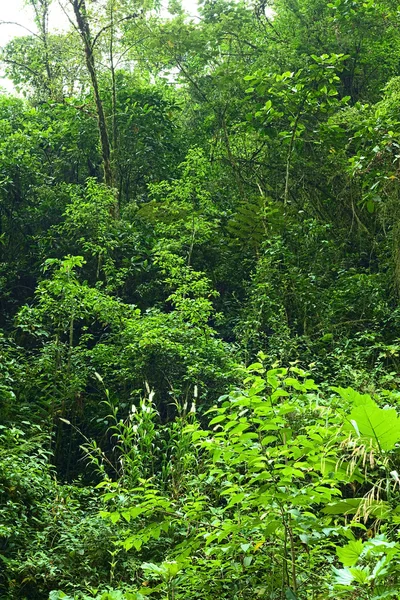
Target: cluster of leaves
point(285, 476)
point(49, 532)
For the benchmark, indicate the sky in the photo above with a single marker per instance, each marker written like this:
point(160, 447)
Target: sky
point(17, 11)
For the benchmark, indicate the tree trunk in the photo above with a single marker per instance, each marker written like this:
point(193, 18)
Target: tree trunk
point(84, 30)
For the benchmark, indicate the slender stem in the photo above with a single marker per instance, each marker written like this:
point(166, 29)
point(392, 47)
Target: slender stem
point(292, 554)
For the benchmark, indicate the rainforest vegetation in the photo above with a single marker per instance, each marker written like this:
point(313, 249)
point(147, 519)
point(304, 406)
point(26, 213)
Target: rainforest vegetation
point(200, 302)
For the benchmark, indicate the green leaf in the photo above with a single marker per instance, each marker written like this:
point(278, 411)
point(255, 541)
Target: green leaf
point(236, 499)
point(370, 206)
point(352, 396)
point(137, 543)
point(217, 419)
point(115, 517)
point(343, 577)
point(57, 595)
point(360, 575)
point(128, 543)
point(290, 595)
point(349, 554)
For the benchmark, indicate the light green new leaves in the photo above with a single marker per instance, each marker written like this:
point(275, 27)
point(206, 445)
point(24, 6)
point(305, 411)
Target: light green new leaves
point(166, 571)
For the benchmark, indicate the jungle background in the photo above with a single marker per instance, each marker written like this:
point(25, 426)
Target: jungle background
point(199, 302)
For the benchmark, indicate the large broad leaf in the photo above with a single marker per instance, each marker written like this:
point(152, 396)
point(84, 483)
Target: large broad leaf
point(379, 427)
point(343, 577)
point(353, 397)
point(349, 554)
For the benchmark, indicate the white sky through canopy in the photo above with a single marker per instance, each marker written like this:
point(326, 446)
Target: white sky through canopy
point(15, 15)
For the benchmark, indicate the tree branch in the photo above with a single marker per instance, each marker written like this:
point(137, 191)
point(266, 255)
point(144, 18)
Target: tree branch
point(23, 27)
point(103, 29)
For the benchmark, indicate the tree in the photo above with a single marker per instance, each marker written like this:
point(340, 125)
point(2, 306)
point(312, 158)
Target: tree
point(83, 26)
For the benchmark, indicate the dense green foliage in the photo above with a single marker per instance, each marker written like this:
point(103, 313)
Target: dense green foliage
point(199, 303)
